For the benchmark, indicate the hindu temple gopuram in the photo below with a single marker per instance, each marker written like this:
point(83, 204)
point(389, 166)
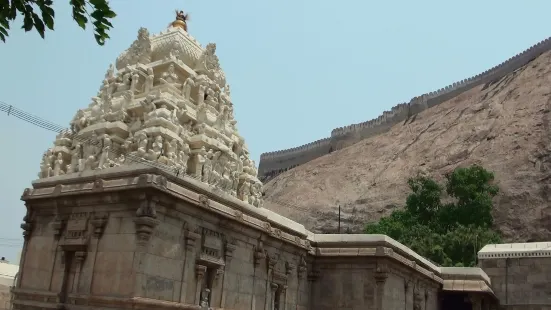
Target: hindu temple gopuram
point(151, 201)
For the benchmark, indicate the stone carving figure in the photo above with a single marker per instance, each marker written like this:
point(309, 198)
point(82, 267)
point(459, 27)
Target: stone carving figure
point(244, 191)
point(139, 51)
point(208, 61)
point(200, 162)
point(142, 139)
point(110, 74)
point(170, 77)
point(234, 177)
point(207, 166)
point(104, 157)
point(205, 298)
point(79, 122)
point(46, 169)
point(58, 164)
point(217, 168)
point(226, 176)
point(76, 156)
point(183, 157)
point(156, 148)
point(211, 97)
point(149, 80)
point(124, 82)
point(201, 94)
point(135, 78)
point(186, 89)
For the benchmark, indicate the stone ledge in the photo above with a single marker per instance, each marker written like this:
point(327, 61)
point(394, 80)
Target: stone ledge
point(515, 250)
point(376, 252)
point(464, 273)
point(126, 178)
point(475, 286)
point(76, 300)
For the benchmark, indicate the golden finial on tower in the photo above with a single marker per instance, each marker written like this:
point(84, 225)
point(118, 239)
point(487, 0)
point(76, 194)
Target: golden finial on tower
point(181, 20)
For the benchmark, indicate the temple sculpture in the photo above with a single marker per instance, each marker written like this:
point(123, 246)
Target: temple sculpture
point(165, 102)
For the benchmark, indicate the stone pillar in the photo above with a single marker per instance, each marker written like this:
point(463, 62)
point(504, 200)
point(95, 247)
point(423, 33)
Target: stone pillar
point(217, 287)
point(408, 303)
point(476, 301)
point(380, 279)
point(186, 293)
point(283, 300)
point(79, 259)
point(230, 248)
point(273, 293)
point(268, 304)
point(200, 272)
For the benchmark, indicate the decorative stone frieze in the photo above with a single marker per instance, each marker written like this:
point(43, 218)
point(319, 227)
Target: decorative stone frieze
point(192, 235)
point(212, 247)
point(204, 201)
point(272, 260)
point(98, 185)
point(200, 271)
point(302, 267)
point(27, 226)
point(99, 220)
point(289, 268)
point(57, 226)
point(229, 249)
point(259, 253)
point(145, 225)
point(77, 236)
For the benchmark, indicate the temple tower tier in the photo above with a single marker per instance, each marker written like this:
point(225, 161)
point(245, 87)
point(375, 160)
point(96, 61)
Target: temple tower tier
point(165, 103)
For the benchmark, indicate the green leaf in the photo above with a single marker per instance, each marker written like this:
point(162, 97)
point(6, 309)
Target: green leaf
point(48, 20)
point(80, 19)
point(3, 31)
point(28, 22)
point(38, 25)
point(3, 37)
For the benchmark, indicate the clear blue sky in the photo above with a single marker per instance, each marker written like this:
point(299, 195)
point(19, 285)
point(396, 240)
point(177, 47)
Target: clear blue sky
point(297, 69)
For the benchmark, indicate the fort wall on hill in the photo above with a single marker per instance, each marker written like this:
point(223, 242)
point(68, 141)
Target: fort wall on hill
point(273, 163)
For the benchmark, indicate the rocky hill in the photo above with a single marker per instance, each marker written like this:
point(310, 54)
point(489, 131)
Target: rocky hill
point(503, 125)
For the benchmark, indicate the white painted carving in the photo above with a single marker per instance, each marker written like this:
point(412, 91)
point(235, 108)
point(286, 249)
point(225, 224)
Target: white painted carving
point(152, 107)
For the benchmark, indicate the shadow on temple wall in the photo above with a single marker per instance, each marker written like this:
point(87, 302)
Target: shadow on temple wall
point(273, 163)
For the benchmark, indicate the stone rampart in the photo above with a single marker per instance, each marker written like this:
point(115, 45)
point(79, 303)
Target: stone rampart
point(273, 163)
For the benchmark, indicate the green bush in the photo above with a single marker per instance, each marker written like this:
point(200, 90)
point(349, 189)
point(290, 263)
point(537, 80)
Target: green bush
point(449, 234)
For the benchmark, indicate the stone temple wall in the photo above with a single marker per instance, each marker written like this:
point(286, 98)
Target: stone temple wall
point(273, 163)
point(134, 237)
point(520, 274)
point(5, 297)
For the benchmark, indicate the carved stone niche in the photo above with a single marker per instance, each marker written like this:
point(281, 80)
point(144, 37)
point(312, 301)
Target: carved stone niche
point(212, 246)
point(99, 220)
point(259, 252)
point(230, 248)
point(302, 267)
point(146, 217)
point(76, 237)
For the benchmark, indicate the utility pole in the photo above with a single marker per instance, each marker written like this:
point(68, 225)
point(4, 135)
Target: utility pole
point(339, 229)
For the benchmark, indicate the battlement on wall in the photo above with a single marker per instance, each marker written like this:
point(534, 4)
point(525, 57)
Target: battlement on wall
point(295, 150)
point(348, 135)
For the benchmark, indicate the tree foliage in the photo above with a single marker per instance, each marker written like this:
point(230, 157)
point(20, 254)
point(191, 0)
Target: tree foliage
point(39, 15)
point(448, 233)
